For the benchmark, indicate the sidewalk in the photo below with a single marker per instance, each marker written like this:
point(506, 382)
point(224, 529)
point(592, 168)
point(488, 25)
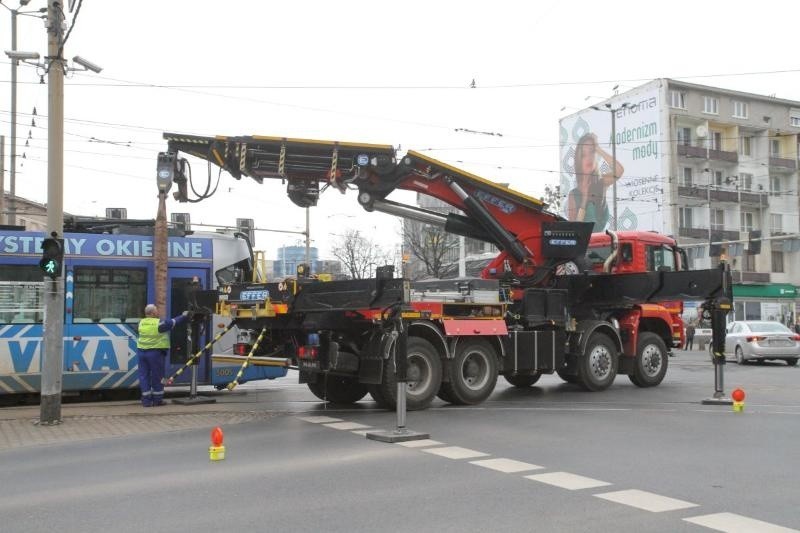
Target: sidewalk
point(86, 421)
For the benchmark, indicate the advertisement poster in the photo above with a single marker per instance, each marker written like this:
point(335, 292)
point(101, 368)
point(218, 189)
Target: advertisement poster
point(587, 166)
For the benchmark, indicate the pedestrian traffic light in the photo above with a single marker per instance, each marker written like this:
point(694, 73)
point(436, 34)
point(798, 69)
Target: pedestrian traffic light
point(52, 257)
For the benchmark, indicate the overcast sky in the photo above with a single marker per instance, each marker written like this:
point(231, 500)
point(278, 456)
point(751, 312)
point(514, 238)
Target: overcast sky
point(381, 72)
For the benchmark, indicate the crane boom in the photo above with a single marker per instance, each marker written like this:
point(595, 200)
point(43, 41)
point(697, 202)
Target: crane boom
point(532, 240)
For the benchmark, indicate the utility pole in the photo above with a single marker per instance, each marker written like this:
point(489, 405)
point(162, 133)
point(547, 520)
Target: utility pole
point(2, 176)
point(613, 112)
point(12, 216)
point(53, 363)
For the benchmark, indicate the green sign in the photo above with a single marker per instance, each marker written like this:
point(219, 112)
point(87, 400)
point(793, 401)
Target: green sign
point(773, 290)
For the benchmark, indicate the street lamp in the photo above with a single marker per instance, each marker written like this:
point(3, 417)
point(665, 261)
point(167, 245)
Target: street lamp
point(16, 57)
point(613, 111)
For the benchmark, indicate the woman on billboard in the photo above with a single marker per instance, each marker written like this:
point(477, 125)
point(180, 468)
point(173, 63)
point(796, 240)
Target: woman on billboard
point(587, 201)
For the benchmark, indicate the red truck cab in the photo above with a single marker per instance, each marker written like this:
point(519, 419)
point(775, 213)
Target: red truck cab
point(642, 251)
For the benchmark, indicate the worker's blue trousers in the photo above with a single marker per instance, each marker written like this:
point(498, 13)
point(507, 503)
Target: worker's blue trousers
point(151, 376)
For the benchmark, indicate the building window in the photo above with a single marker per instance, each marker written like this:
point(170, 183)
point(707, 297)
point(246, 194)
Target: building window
point(716, 140)
point(747, 218)
point(677, 99)
point(718, 180)
point(748, 262)
point(746, 181)
point(775, 148)
point(776, 223)
point(739, 109)
point(685, 136)
point(687, 177)
point(717, 219)
point(711, 105)
point(745, 146)
point(685, 214)
point(794, 118)
point(777, 261)
point(775, 185)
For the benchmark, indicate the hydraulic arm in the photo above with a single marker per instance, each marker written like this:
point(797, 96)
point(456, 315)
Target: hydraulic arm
point(533, 240)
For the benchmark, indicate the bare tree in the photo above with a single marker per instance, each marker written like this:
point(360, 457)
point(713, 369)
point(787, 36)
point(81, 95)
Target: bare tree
point(429, 244)
point(359, 255)
point(553, 197)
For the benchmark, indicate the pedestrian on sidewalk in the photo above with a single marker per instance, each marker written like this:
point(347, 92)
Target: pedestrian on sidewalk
point(689, 344)
point(153, 345)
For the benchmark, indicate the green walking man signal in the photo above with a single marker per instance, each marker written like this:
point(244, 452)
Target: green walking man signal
point(52, 257)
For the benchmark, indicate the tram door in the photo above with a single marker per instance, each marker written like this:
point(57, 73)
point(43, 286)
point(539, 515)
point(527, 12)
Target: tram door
point(179, 281)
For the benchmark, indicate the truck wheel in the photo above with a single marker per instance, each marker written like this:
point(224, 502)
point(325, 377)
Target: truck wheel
point(338, 389)
point(651, 361)
point(569, 378)
point(424, 373)
point(598, 366)
point(473, 373)
point(522, 381)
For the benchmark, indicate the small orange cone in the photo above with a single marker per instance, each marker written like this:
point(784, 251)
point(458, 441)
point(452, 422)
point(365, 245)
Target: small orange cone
point(216, 452)
point(738, 400)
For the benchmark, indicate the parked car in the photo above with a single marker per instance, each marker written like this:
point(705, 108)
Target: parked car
point(762, 340)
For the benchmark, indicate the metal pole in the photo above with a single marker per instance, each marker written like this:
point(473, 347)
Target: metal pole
point(614, 162)
point(2, 176)
point(189, 351)
point(53, 363)
point(462, 257)
point(308, 238)
point(12, 216)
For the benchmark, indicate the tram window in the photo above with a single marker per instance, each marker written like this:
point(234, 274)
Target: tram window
point(21, 294)
point(104, 294)
point(234, 273)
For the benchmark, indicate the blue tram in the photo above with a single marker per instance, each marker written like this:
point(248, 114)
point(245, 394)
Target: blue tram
point(109, 278)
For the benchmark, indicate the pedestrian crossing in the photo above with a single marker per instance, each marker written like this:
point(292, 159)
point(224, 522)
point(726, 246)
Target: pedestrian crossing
point(635, 498)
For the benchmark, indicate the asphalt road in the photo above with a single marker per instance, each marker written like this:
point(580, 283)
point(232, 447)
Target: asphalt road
point(624, 460)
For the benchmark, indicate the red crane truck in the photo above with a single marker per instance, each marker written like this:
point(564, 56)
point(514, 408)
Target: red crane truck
point(521, 319)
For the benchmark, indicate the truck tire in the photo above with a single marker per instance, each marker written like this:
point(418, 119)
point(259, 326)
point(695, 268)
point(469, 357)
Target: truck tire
point(473, 373)
point(424, 373)
point(651, 362)
point(522, 381)
point(338, 389)
point(597, 367)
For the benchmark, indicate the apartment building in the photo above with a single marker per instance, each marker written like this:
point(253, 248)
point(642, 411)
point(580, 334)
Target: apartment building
point(716, 168)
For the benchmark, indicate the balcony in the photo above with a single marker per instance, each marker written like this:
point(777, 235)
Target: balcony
point(760, 199)
point(749, 277)
point(720, 195)
point(702, 234)
point(721, 155)
point(686, 150)
point(782, 164)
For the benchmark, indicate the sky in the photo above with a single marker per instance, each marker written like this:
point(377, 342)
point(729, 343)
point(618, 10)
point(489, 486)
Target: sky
point(398, 73)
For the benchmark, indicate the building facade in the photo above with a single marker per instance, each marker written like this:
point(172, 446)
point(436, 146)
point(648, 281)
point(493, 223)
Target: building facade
point(716, 168)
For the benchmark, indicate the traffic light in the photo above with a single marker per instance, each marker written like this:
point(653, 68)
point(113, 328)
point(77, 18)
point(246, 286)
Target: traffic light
point(52, 257)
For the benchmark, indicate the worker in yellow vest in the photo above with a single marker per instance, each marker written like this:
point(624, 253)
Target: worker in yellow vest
point(153, 345)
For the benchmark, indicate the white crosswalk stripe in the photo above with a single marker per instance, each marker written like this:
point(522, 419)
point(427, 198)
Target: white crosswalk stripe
point(422, 443)
point(568, 481)
point(455, 452)
point(319, 419)
point(734, 523)
point(346, 425)
point(508, 466)
point(646, 500)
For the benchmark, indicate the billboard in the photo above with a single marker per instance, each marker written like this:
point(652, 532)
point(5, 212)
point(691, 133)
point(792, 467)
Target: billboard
point(587, 166)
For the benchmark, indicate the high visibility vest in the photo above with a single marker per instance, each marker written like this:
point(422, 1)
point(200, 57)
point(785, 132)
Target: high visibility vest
point(149, 337)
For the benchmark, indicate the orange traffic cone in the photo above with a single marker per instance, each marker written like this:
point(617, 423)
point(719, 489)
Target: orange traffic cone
point(738, 400)
point(216, 452)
